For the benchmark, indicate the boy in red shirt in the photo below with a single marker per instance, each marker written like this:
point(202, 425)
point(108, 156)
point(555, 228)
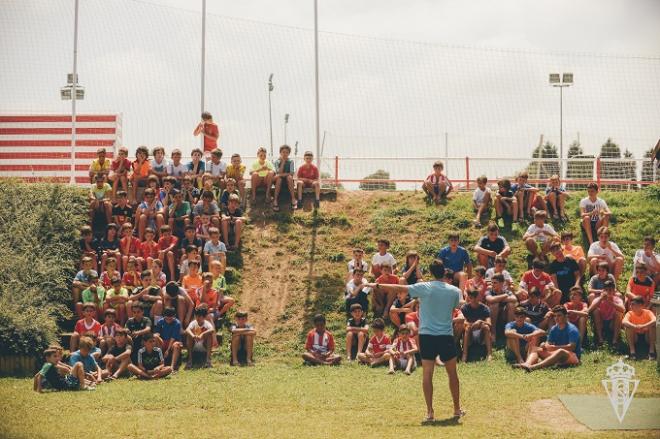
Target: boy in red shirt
point(403, 352)
point(536, 277)
point(308, 176)
point(119, 171)
point(320, 345)
point(608, 312)
point(378, 349)
point(381, 301)
point(640, 285)
point(166, 248)
point(129, 245)
point(210, 131)
point(577, 311)
point(87, 324)
point(148, 249)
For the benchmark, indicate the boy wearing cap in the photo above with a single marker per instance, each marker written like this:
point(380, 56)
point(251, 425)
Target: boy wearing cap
point(639, 322)
point(308, 176)
point(607, 312)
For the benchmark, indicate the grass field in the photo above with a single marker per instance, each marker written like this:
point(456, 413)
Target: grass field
point(294, 267)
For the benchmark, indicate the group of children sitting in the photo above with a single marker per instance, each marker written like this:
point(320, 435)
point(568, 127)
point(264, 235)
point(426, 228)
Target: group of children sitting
point(162, 287)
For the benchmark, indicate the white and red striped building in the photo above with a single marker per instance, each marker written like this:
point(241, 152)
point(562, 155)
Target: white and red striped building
point(38, 147)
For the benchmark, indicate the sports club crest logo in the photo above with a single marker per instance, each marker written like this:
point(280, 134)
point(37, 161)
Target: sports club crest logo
point(620, 387)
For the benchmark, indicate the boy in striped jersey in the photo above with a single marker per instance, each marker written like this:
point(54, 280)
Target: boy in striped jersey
point(320, 345)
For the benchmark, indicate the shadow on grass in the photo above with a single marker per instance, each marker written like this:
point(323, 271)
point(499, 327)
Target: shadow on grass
point(442, 422)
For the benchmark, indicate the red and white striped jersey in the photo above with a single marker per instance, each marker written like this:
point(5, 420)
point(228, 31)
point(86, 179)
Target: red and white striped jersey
point(321, 343)
point(38, 147)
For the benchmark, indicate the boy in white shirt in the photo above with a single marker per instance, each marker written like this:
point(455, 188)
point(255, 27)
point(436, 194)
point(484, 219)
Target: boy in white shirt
point(357, 262)
point(594, 212)
point(481, 201)
point(605, 250)
point(650, 258)
point(539, 236)
point(383, 257)
point(217, 168)
point(175, 168)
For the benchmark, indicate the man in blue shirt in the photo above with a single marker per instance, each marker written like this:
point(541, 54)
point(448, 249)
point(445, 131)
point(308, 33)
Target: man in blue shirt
point(562, 347)
point(521, 337)
point(457, 258)
point(437, 303)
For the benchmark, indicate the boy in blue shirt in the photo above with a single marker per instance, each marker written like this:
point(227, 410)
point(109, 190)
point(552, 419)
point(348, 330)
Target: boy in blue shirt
point(562, 347)
point(457, 259)
point(285, 169)
point(168, 336)
point(521, 337)
point(83, 355)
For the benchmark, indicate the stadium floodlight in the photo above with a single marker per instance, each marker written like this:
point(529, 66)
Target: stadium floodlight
point(286, 122)
point(561, 81)
point(270, 111)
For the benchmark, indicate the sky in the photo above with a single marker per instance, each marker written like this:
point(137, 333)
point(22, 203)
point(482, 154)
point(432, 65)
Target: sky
point(416, 78)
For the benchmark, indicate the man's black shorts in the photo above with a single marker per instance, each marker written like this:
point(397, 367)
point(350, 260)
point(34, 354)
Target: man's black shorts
point(430, 346)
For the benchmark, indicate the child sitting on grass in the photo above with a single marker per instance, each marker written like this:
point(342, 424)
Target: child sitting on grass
point(577, 311)
point(437, 186)
point(242, 340)
point(382, 257)
point(200, 332)
point(108, 329)
point(357, 292)
point(574, 251)
point(150, 361)
point(378, 349)
point(555, 198)
point(403, 352)
point(85, 324)
point(638, 323)
point(284, 169)
point(118, 357)
point(232, 219)
point(506, 202)
point(640, 285)
point(381, 300)
point(357, 330)
point(320, 345)
point(481, 202)
point(402, 305)
point(59, 377)
point(539, 236)
point(168, 336)
point(84, 356)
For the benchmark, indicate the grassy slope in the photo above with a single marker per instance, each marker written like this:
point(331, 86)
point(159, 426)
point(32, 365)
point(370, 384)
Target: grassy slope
point(290, 400)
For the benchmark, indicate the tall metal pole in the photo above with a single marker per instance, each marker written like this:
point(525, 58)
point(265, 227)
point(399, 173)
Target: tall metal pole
point(270, 112)
point(316, 78)
point(203, 63)
point(561, 132)
point(74, 96)
point(446, 152)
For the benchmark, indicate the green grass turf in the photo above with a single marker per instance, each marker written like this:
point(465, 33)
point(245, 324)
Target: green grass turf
point(285, 399)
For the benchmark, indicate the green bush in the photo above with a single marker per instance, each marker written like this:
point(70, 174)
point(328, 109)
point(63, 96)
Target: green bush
point(378, 185)
point(38, 248)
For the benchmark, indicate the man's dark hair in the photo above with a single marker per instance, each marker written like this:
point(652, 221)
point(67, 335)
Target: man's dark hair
point(437, 269)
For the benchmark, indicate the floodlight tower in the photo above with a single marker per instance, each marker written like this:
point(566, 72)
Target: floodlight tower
point(561, 81)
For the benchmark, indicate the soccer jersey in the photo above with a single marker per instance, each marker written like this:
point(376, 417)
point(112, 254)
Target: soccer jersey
point(150, 360)
point(530, 280)
point(320, 343)
point(593, 206)
point(82, 326)
point(109, 330)
point(401, 345)
point(536, 313)
point(379, 345)
point(642, 287)
point(130, 280)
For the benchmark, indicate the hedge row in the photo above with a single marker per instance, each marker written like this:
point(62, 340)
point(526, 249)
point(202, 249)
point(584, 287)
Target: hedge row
point(38, 234)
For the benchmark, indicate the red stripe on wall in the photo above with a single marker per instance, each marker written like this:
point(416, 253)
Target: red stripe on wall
point(41, 143)
point(29, 168)
point(59, 118)
point(49, 155)
point(79, 179)
point(37, 131)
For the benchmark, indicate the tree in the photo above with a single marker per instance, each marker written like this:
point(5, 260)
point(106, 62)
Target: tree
point(578, 170)
point(647, 168)
point(610, 169)
point(543, 170)
point(378, 185)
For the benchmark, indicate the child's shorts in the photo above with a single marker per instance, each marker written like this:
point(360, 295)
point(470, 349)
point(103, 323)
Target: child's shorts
point(71, 382)
point(436, 189)
point(402, 363)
